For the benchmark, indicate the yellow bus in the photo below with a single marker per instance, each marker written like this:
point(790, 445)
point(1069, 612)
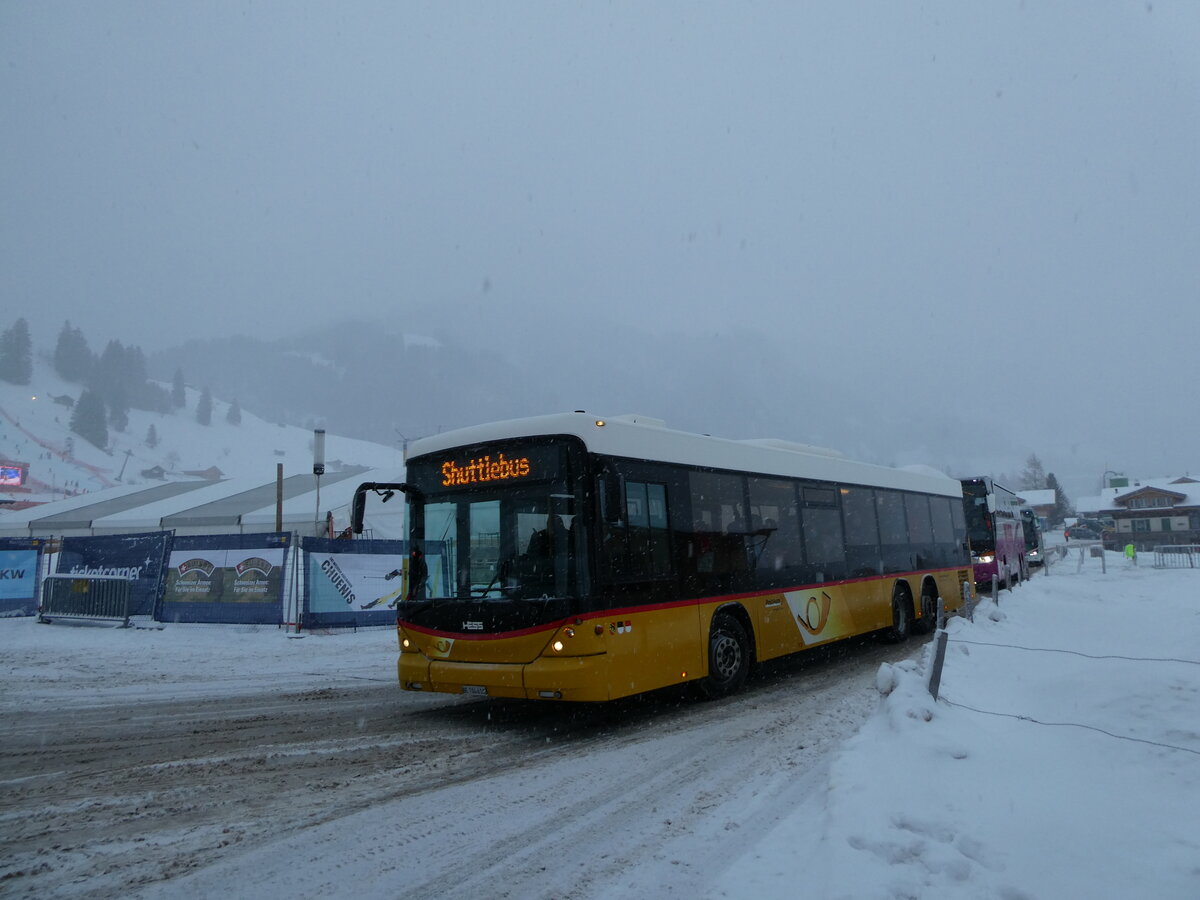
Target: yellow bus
point(572, 557)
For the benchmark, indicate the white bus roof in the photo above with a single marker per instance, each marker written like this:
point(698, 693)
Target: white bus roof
point(643, 438)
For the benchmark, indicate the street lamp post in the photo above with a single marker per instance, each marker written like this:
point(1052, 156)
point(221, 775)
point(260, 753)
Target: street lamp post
point(318, 470)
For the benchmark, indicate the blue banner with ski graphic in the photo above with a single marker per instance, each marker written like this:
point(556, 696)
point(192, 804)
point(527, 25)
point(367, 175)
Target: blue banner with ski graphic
point(352, 584)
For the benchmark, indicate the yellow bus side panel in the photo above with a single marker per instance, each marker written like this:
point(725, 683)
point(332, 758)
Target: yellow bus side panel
point(653, 648)
point(618, 653)
point(793, 620)
point(950, 587)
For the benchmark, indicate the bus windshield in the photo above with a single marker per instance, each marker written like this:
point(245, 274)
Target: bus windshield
point(1032, 535)
point(510, 536)
point(981, 529)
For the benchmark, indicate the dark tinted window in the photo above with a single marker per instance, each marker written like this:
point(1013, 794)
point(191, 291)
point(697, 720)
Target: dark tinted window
point(862, 532)
point(858, 510)
point(920, 528)
point(893, 527)
point(775, 530)
point(717, 501)
point(958, 517)
point(637, 547)
point(822, 526)
point(941, 509)
point(719, 551)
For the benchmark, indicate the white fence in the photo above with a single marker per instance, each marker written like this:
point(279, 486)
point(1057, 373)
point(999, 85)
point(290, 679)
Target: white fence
point(1177, 556)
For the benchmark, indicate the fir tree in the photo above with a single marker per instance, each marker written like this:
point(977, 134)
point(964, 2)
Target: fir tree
point(135, 365)
point(151, 436)
point(1033, 478)
point(118, 408)
point(88, 419)
point(109, 372)
point(204, 408)
point(16, 354)
point(155, 398)
point(1062, 506)
point(178, 390)
point(142, 394)
point(234, 416)
point(72, 357)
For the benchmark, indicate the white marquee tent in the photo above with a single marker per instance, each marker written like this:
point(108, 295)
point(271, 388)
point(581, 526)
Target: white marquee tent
point(231, 506)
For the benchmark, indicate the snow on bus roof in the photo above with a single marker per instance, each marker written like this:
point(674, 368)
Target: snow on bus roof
point(645, 438)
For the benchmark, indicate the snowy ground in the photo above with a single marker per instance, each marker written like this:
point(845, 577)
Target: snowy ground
point(1062, 760)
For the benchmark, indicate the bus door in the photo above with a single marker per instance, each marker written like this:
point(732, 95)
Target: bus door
point(653, 636)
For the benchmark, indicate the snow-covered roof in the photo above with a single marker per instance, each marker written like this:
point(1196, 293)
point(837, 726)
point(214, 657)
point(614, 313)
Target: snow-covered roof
point(1037, 498)
point(1106, 502)
point(237, 505)
point(18, 522)
point(644, 438)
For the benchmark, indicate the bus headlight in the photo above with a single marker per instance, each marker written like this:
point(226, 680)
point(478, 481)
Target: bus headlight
point(557, 646)
point(988, 558)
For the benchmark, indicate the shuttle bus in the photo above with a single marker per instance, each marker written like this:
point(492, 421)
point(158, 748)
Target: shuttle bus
point(582, 558)
point(995, 531)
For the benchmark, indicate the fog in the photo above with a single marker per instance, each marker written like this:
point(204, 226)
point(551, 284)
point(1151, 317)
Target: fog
point(982, 209)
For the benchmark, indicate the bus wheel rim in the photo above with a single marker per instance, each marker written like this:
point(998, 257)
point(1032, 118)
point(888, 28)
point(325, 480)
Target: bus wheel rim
point(727, 656)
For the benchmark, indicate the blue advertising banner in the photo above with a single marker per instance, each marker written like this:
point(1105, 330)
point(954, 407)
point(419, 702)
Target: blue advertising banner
point(20, 563)
point(227, 578)
point(357, 583)
point(138, 557)
point(351, 583)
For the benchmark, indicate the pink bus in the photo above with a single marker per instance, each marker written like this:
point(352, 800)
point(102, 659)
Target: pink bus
point(995, 531)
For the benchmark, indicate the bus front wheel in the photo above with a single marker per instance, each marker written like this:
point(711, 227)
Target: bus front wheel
point(728, 657)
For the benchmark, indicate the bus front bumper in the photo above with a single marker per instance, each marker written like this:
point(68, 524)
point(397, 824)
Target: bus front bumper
point(580, 678)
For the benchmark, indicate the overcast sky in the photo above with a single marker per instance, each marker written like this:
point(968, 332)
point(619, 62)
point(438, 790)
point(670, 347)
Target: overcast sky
point(998, 182)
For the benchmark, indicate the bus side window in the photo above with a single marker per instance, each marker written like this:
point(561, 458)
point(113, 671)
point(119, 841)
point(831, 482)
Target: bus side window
point(638, 517)
point(719, 540)
point(824, 547)
point(941, 508)
point(862, 532)
point(893, 530)
point(638, 547)
point(660, 546)
point(920, 529)
point(775, 544)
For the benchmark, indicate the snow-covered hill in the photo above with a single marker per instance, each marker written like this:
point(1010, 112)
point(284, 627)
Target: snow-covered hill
point(35, 429)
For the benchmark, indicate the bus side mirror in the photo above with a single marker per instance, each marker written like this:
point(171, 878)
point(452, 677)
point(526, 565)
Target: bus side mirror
point(386, 490)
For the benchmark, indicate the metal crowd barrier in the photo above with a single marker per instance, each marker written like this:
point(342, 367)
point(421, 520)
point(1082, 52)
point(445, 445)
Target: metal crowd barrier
point(1177, 556)
point(89, 597)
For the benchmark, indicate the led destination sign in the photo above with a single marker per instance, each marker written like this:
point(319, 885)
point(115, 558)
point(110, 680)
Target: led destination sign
point(485, 469)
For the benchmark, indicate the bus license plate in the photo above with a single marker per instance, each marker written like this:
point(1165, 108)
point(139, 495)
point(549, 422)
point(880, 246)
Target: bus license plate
point(475, 689)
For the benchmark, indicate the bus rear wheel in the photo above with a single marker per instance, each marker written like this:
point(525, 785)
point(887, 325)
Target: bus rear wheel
point(728, 657)
point(928, 620)
point(901, 615)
